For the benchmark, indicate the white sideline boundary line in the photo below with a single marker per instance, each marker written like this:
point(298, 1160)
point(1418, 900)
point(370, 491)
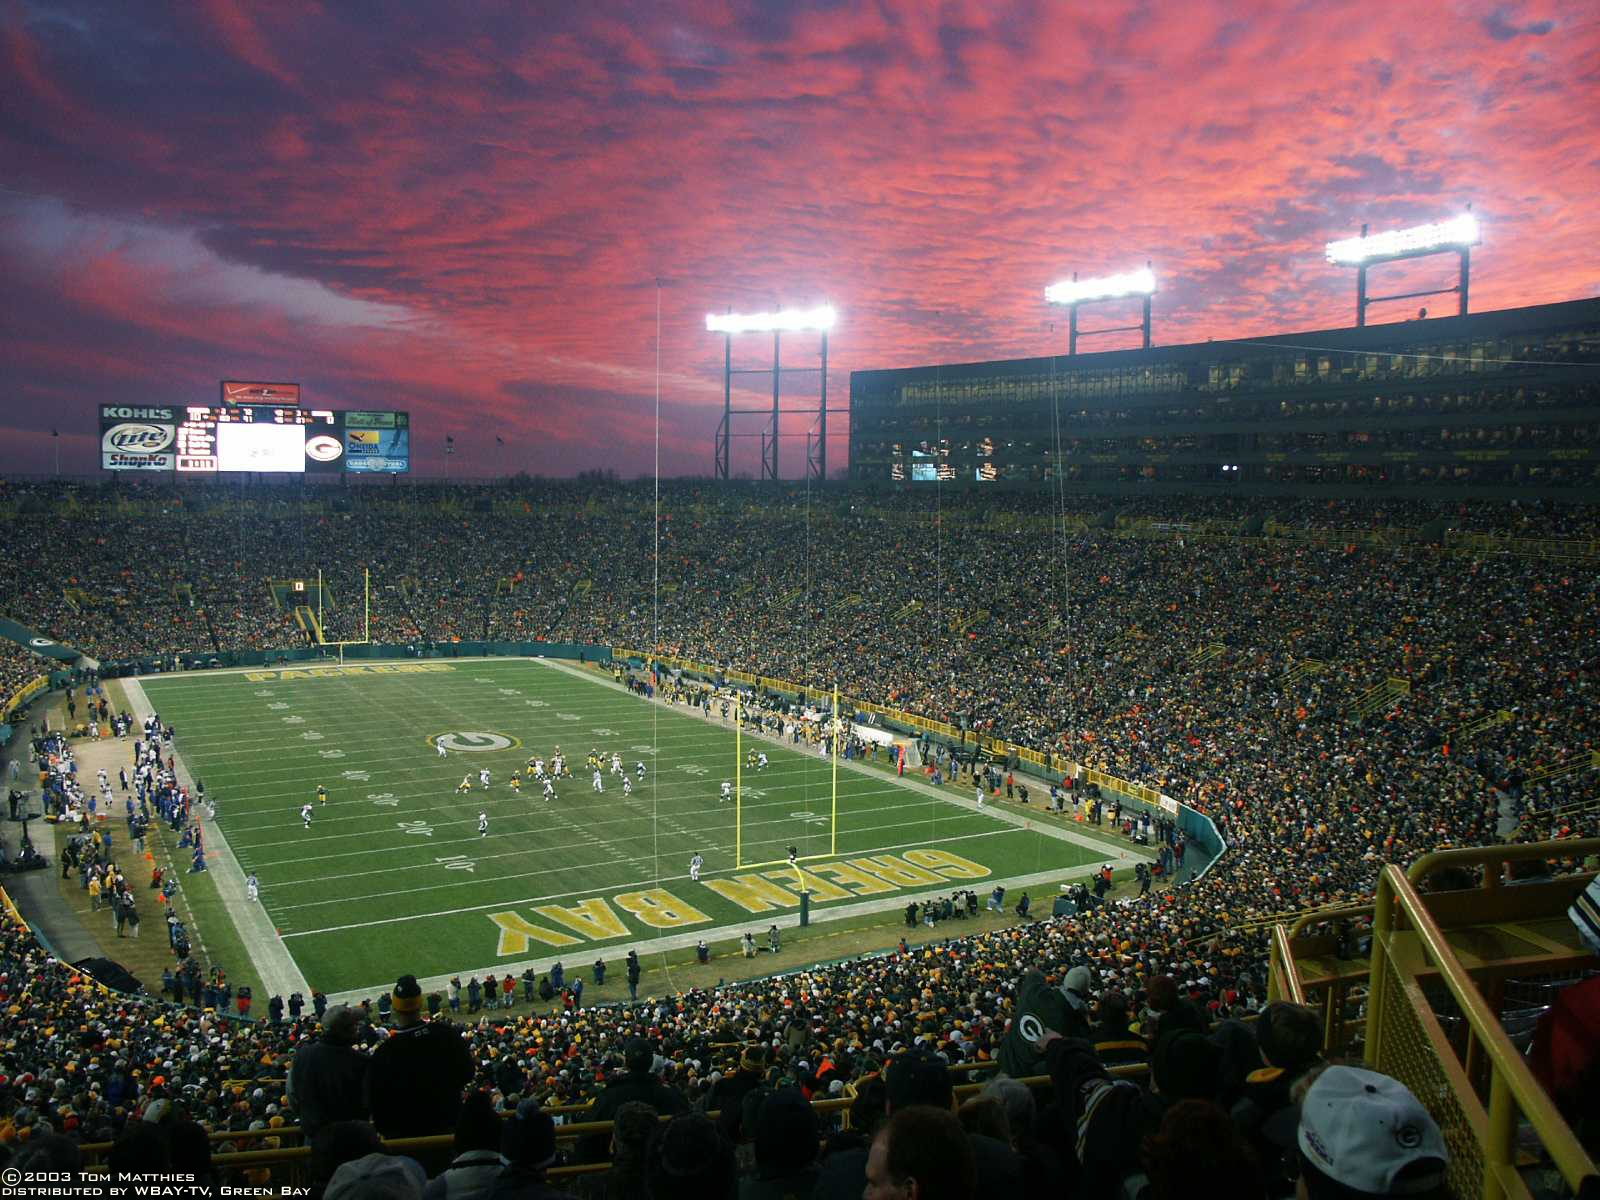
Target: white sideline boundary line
point(274, 965)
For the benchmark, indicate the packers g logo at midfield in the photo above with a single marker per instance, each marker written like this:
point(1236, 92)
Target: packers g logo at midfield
point(473, 742)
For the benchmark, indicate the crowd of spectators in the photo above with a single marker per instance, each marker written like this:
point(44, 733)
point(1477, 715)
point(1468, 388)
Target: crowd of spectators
point(140, 1073)
point(19, 667)
point(522, 562)
point(1225, 672)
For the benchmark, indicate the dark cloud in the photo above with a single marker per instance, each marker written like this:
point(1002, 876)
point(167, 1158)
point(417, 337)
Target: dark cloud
point(1499, 25)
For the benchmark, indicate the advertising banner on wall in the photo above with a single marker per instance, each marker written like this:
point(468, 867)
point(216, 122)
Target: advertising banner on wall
point(137, 438)
point(377, 442)
point(284, 395)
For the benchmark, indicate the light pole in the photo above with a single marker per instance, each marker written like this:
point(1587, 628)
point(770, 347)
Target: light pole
point(820, 320)
point(1455, 236)
point(1075, 292)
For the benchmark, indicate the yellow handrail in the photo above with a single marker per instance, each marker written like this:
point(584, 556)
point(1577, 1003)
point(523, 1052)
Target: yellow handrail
point(1498, 856)
point(1283, 980)
point(1317, 916)
point(1408, 942)
point(23, 694)
point(297, 1156)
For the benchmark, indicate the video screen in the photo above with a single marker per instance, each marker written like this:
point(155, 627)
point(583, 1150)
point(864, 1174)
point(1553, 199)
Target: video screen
point(261, 448)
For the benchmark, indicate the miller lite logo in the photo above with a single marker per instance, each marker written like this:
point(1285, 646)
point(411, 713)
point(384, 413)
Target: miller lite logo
point(137, 438)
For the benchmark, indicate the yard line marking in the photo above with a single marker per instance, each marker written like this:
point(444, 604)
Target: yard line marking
point(378, 820)
point(482, 799)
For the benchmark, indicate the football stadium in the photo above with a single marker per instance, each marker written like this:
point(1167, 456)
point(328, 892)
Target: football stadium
point(1128, 771)
point(793, 802)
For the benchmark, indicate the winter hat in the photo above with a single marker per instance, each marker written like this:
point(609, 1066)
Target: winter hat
point(340, 1024)
point(1076, 987)
point(1289, 1035)
point(531, 1139)
point(917, 1077)
point(377, 1177)
point(638, 1054)
point(1585, 914)
point(407, 995)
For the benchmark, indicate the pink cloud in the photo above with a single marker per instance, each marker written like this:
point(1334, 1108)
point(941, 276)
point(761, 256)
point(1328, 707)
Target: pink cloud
point(514, 187)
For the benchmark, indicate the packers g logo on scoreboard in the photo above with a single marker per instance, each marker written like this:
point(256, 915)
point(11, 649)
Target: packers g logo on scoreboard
point(474, 742)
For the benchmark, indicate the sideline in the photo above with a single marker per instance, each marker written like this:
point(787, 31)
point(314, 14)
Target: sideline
point(274, 966)
point(305, 664)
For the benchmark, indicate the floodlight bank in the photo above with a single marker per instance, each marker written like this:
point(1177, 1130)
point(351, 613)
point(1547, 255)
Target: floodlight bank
point(1460, 231)
point(787, 321)
point(1074, 291)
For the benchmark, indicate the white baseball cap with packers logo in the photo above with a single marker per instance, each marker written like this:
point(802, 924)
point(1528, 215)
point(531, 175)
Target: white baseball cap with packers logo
point(1362, 1129)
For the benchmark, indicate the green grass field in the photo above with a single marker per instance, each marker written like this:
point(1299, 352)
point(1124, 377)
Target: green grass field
point(393, 874)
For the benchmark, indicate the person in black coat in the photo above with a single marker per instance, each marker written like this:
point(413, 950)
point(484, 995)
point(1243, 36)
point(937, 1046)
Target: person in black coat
point(920, 1078)
point(416, 1078)
point(728, 1093)
point(529, 1143)
point(640, 1085)
point(327, 1081)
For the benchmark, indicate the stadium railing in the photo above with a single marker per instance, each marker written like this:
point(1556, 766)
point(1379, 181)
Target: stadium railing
point(1582, 549)
point(280, 1165)
point(1435, 989)
point(1316, 959)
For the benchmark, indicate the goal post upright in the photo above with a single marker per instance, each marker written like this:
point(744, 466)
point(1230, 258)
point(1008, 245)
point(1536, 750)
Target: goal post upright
point(738, 784)
point(366, 615)
point(838, 735)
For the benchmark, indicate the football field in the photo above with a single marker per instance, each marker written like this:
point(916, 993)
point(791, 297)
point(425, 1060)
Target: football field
point(394, 874)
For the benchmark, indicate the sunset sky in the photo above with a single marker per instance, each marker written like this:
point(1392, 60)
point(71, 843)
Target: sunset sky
point(464, 209)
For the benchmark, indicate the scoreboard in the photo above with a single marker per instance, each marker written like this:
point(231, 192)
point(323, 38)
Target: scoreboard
point(209, 439)
point(252, 439)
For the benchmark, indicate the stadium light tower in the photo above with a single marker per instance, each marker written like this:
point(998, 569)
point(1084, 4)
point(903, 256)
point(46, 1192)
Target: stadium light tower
point(793, 320)
point(1456, 236)
point(1075, 292)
